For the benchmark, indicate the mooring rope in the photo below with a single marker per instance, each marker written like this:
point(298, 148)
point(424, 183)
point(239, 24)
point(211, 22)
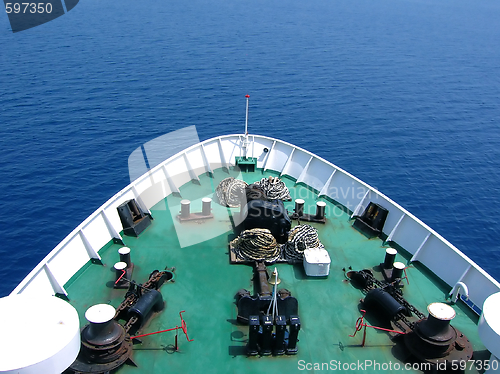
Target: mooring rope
point(260, 244)
point(230, 192)
point(256, 245)
point(274, 188)
point(300, 238)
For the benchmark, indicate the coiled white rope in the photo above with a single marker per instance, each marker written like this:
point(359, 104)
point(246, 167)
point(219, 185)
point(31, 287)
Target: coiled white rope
point(230, 192)
point(300, 238)
point(274, 188)
point(256, 245)
point(260, 245)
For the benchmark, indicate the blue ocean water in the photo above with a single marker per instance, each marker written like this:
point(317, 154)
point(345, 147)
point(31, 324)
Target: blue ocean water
point(404, 94)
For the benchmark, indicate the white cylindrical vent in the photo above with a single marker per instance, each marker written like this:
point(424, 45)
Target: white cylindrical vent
point(489, 324)
point(45, 339)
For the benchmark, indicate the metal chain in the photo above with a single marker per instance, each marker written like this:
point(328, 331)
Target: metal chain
point(395, 292)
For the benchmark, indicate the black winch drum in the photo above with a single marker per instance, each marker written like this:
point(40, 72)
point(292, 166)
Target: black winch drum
point(149, 301)
point(381, 302)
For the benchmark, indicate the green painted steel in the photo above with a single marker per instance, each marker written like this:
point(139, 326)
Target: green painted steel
point(205, 285)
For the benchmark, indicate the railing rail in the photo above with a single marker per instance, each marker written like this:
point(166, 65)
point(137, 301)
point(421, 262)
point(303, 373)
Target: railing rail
point(422, 242)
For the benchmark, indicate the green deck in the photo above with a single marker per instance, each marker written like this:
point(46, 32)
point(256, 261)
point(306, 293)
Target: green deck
point(205, 284)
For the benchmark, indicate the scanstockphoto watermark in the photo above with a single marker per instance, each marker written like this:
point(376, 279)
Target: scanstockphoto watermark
point(362, 365)
point(374, 366)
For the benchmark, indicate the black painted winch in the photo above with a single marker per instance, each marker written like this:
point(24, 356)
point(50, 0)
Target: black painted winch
point(106, 344)
point(430, 339)
point(268, 313)
point(435, 340)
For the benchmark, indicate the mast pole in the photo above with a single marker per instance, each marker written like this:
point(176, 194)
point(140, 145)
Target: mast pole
point(246, 119)
point(245, 142)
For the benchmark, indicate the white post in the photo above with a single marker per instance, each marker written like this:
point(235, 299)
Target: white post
point(246, 119)
point(275, 300)
point(245, 142)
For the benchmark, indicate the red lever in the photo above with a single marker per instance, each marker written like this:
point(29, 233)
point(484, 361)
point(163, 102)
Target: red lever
point(360, 323)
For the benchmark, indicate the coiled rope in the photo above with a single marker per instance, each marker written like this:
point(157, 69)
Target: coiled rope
point(230, 192)
point(260, 245)
point(300, 238)
point(274, 188)
point(256, 245)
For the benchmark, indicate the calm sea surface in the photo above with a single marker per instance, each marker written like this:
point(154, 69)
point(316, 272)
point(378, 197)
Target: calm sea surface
point(404, 94)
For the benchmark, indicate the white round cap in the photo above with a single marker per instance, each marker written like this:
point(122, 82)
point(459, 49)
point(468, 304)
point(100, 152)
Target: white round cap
point(391, 251)
point(441, 311)
point(100, 313)
point(42, 340)
point(206, 200)
point(399, 265)
point(321, 203)
point(185, 202)
point(299, 201)
point(120, 265)
point(124, 250)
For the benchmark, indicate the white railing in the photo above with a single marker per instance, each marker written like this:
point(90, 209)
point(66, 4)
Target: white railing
point(423, 243)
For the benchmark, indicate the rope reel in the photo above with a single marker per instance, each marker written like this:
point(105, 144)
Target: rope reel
point(274, 188)
point(260, 245)
point(230, 192)
point(256, 245)
point(300, 238)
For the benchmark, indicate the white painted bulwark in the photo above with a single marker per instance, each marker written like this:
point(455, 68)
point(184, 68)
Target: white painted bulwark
point(489, 324)
point(50, 334)
point(403, 228)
